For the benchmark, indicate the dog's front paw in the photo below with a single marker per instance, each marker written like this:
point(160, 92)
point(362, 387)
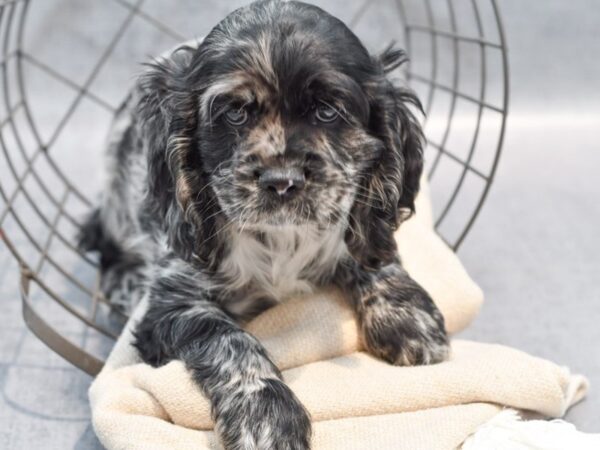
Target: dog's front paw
point(404, 327)
point(264, 415)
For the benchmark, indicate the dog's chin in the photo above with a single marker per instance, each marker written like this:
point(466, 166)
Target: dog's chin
point(274, 219)
point(284, 219)
point(271, 216)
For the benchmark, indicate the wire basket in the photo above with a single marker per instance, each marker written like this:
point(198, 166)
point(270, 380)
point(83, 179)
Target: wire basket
point(67, 64)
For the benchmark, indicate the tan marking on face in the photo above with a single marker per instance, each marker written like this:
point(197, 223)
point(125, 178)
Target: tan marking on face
point(246, 87)
point(233, 82)
point(267, 139)
point(320, 142)
point(183, 192)
point(324, 147)
point(261, 63)
point(177, 148)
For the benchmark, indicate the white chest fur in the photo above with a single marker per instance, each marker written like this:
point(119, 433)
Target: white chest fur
point(280, 262)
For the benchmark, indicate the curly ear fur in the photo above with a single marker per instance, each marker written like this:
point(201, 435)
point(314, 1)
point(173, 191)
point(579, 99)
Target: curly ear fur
point(167, 109)
point(389, 186)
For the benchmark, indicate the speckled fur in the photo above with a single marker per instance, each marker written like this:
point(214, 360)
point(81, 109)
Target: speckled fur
point(184, 220)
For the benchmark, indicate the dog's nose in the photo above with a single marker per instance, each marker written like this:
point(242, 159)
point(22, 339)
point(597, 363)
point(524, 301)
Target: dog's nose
point(283, 181)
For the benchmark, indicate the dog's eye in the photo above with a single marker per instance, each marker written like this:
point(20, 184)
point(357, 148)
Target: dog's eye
point(325, 113)
point(236, 116)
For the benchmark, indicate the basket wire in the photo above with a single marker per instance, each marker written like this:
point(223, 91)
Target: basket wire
point(44, 198)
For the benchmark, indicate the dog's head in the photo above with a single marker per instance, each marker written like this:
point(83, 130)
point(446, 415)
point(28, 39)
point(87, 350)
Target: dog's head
point(279, 118)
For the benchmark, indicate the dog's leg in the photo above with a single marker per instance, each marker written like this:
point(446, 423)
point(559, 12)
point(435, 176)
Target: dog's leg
point(398, 320)
point(251, 406)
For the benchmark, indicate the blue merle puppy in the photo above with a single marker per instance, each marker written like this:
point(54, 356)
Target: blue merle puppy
point(274, 157)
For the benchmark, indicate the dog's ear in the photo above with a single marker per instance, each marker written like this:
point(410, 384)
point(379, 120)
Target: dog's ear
point(167, 112)
point(389, 186)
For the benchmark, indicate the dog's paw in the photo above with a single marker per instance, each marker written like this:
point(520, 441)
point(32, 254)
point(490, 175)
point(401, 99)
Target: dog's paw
point(404, 327)
point(263, 416)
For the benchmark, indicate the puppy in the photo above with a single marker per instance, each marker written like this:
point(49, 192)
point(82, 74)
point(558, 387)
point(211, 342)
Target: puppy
point(274, 157)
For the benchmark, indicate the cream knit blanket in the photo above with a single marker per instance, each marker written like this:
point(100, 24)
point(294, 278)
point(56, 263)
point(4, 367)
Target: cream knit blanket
point(355, 400)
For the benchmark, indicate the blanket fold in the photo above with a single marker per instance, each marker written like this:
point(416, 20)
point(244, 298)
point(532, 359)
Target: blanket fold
point(358, 385)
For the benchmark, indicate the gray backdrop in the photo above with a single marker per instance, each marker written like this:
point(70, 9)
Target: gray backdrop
point(533, 249)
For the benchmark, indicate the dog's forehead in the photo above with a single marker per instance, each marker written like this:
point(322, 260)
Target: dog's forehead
point(271, 67)
point(275, 74)
point(281, 44)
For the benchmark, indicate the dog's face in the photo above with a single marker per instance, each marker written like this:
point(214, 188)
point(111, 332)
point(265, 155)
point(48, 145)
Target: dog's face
point(281, 117)
point(283, 127)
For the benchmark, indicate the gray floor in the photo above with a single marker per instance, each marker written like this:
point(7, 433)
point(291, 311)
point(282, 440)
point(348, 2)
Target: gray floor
point(533, 249)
